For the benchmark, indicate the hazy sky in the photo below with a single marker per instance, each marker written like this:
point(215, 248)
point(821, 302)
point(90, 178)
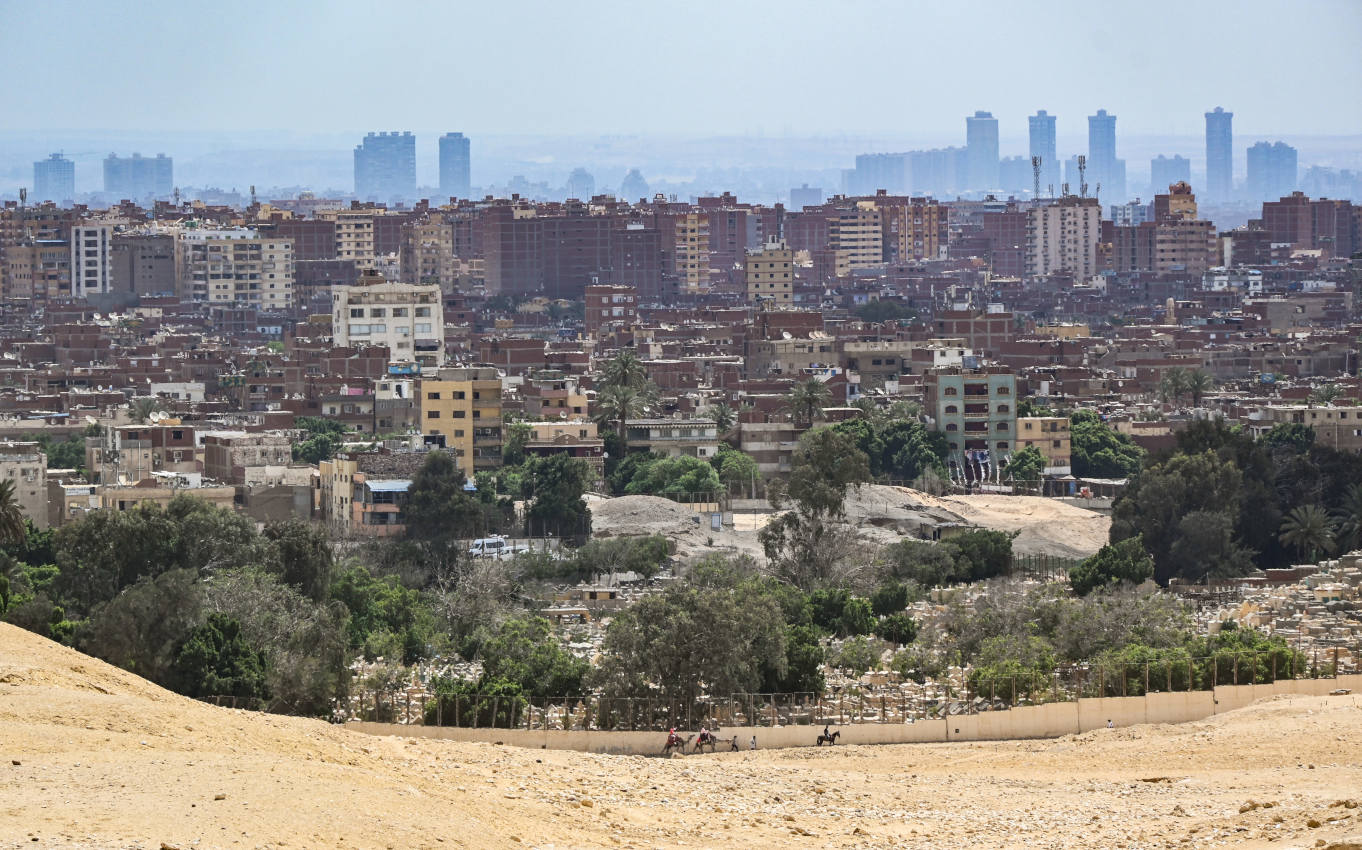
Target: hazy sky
point(796, 67)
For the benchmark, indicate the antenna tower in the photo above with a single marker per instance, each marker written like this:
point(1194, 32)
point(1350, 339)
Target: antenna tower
point(1035, 178)
point(1082, 176)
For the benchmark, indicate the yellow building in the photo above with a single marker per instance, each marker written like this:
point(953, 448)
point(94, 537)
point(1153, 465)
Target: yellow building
point(769, 273)
point(692, 250)
point(463, 406)
point(354, 234)
point(856, 238)
point(1063, 331)
point(234, 266)
point(1050, 436)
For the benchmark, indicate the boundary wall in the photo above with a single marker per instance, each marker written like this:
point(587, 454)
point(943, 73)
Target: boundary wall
point(1051, 720)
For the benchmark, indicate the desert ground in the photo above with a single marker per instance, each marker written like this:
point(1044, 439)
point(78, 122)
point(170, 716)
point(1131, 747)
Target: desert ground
point(94, 757)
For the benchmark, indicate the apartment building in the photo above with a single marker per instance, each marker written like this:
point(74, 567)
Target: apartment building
point(855, 237)
point(673, 437)
point(692, 250)
point(609, 306)
point(91, 259)
point(1063, 237)
point(462, 406)
point(25, 464)
point(976, 410)
point(355, 235)
point(427, 254)
point(234, 266)
point(1050, 436)
point(913, 228)
point(768, 274)
point(407, 318)
point(1336, 427)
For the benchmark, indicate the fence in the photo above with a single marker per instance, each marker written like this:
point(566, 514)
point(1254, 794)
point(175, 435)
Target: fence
point(975, 692)
point(1041, 567)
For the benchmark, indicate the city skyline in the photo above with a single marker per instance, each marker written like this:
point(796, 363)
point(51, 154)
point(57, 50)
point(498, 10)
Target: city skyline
point(540, 91)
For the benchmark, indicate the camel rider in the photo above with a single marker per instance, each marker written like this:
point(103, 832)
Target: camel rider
point(671, 736)
point(704, 735)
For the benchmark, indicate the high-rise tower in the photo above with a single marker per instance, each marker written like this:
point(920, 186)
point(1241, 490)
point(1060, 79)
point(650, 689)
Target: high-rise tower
point(385, 166)
point(1043, 145)
point(455, 166)
point(1219, 155)
point(54, 179)
point(1105, 170)
point(981, 152)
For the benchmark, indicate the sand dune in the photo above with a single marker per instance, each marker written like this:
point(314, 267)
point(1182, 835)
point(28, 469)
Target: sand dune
point(106, 760)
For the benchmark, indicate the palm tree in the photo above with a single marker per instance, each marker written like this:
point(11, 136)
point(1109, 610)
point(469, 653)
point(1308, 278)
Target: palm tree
point(1349, 519)
point(141, 409)
point(1198, 384)
point(1310, 529)
point(626, 370)
point(723, 417)
point(1174, 384)
point(619, 404)
point(807, 400)
point(12, 526)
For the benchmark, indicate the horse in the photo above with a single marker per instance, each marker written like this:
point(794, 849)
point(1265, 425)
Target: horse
point(828, 739)
point(674, 742)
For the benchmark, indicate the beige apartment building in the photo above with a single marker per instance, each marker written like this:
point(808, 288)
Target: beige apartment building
point(769, 273)
point(408, 318)
point(463, 405)
point(354, 235)
point(1050, 436)
point(1063, 237)
point(427, 254)
point(234, 266)
point(692, 250)
point(856, 237)
point(26, 465)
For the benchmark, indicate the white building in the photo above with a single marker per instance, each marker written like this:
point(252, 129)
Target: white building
point(406, 317)
point(1063, 237)
point(90, 263)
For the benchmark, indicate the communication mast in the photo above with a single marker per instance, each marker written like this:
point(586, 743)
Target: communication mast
point(1082, 176)
point(1035, 178)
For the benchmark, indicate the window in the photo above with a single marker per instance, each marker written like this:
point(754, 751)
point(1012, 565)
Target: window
point(460, 414)
point(433, 396)
point(1002, 408)
point(432, 414)
point(378, 312)
point(1055, 444)
point(1002, 426)
point(399, 312)
point(458, 432)
point(356, 312)
point(1002, 444)
point(423, 312)
point(1004, 391)
point(952, 427)
point(950, 391)
point(950, 408)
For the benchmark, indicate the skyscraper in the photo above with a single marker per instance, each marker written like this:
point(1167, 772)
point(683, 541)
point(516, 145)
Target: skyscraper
point(1219, 156)
point(137, 177)
point(385, 166)
point(981, 152)
point(1272, 171)
point(580, 184)
point(1164, 171)
point(1104, 169)
point(54, 179)
point(455, 166)
point(1043, 146)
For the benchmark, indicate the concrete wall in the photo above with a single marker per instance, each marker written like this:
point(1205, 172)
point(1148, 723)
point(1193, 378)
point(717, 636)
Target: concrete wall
point(1039, 721)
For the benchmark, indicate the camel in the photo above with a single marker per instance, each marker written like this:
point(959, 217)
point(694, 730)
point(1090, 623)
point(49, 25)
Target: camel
point(674, 742)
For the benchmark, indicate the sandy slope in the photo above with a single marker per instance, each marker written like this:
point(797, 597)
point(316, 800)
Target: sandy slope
point(106, 760)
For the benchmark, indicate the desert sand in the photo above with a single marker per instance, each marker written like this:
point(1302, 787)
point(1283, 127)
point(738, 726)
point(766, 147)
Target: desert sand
point(93, 757)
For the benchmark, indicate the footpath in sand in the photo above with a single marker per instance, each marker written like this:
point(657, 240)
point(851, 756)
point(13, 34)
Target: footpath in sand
point(92, 757)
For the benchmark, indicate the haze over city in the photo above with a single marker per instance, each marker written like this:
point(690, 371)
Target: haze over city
point(765, 424)
point(784, 94)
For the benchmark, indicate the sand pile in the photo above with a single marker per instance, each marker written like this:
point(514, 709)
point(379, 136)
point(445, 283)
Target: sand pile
point(91, 757)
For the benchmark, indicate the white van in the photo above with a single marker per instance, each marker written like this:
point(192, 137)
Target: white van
point(495, 547)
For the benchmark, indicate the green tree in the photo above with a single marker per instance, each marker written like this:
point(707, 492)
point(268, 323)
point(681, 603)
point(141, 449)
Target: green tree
point(1198, 384)
point(1325, 394)
point(439, 510)
point(807, 400)
point(516, 434)
point(674, 476)
point(736, 469)
point(1185, 511)
point(897, 628)
point(890, 598)
point(1026, 466)
point(1029, 407)
point(1310, 529)
point(857, 655)
point(983, 553)
point(302, 557)
point(1116, 562)
point(316, 449)
point(555, 485)
point(1293, 435)
point(1097, 451)
point(1348, 518)
point(803, 663)
point(1004, 662)
point(715, 635)
point(524, 651)
point(724, 417)
point(883, 310)
point(896, 448)
point(643, 555)
point(61, 454)
point(141, 409)
point(215, 660)
point(142, 628)
point(383, 605)
point(617, 404)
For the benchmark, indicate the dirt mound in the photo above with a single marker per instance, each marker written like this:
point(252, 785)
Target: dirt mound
point(1047, 527)
point(630, 515)
point(92, 757)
